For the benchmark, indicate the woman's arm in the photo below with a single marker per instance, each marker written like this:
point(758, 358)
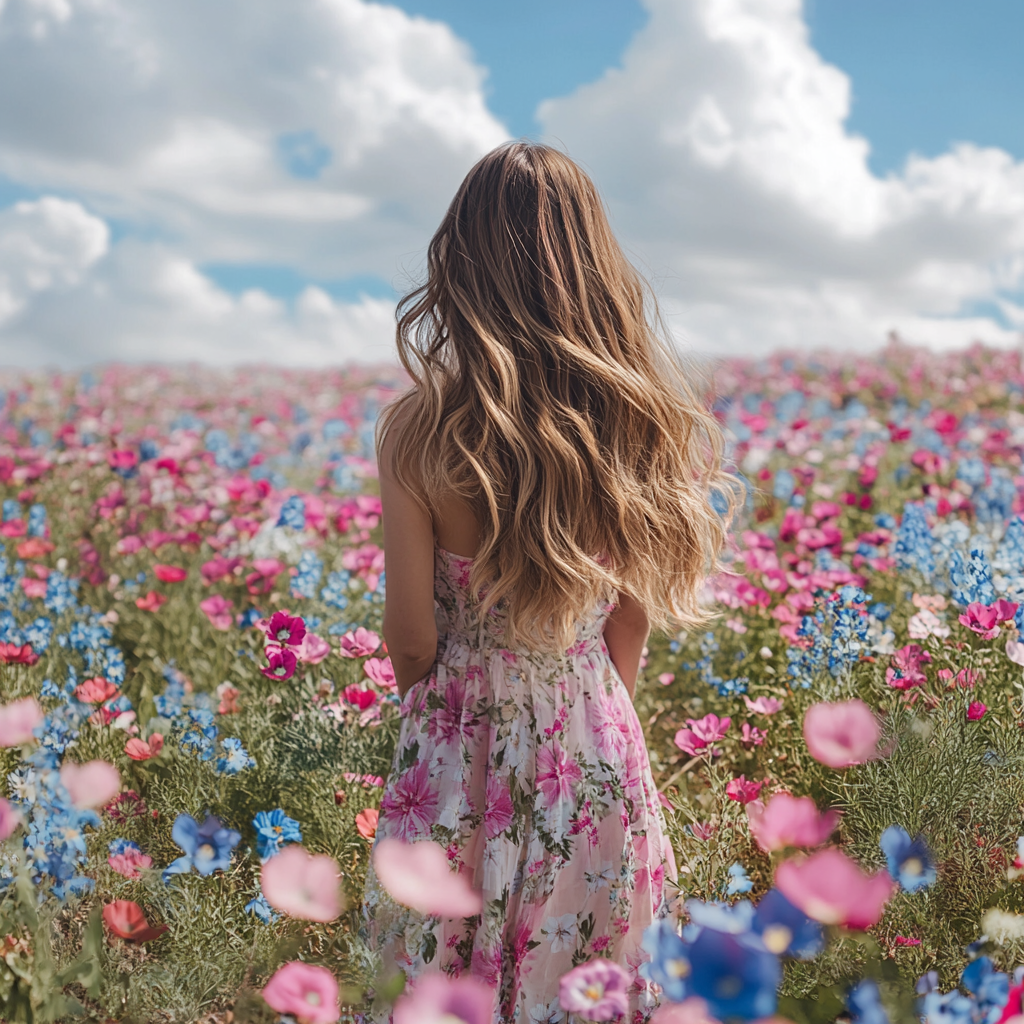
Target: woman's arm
point(409, 626)
point(625, 633)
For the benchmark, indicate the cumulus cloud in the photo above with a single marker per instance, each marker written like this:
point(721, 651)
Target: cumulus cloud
point(721, 146)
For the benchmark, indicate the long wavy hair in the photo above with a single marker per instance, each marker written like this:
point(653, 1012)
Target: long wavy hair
point(547, 400)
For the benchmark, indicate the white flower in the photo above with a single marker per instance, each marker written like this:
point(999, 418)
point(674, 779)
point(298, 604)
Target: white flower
point(561, 931)
point(550, 1014)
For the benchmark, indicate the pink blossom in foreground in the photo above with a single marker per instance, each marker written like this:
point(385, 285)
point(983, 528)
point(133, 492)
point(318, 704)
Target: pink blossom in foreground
point(302, 885)
point(417, 875)
point(832, 888)
point(596, 990)
point(359, 643)
point(702, 734)
point(129, 862)
point(842, 734)
point(743, 790)
point(691, 1011)
point(763, 705)
point(437, 999)
point(219, 610)
point(304, 991)
point(976, 711)
point(17, 720)
point(92, 784)
point(9, 819)
point(789, 821)
point(313, 649)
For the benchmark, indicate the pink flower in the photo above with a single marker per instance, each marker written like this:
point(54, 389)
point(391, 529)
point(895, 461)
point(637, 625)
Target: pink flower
point(438, 999)
point(305, 992)
point(95, 690)
point(703, 830)
point(359, 643)
point(152, 602)
point(763, 705)
point(789, 821)
point(17, 654)
point(751, 737)
point(1005, 610)
point(217, 568)
point(313, 649)
point(557, 773)
point(381, 672)
point(302, 885)
point(666, 678)
point(17, 720)
point(366, 822)
point(219, 610)
point(702, 734)
point(92, 784)
point(981, 619)
point(129, 862)
point(841, 734)
point(411, 801)
point(122, 458)
point(832, 888)
point(282, 663)
point(596, 990)
point(358, 697)
point(170, 573)
point(976, 711)
point(9, 819)
point(1015, 651)
point(417, 875)
point(690, 1011)
point(33, 587)
point(742, 790)
point(905, 672)
point(499, 812)
point(143, 750)
point(127, 920)
point(285, 630)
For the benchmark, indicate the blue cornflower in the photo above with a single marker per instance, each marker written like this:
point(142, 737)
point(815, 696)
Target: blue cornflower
point(293, 513)
point(952, 1008)
point(236, 758)
point(307, 578)
point(11, 509)
point(913, 547)
point(207, 847)
point(37, 521)
point(669, 965)
point(273, 830)
point(1009, 557)
point(864, 1002)
point(786, 930)
point(259, 906)
point(909, 860)
point(334, 593)
point(990, 988)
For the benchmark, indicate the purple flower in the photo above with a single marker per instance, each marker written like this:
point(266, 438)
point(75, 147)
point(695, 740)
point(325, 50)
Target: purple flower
point(597, 990)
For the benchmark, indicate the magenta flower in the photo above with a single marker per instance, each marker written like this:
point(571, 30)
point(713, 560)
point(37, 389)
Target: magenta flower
point(841, 734)
point(417, 875)
point(92, 784)
point(702, 735)
point(313, 649)
point(218, 610)
point(763, 705)
point(976, 711)
point(982, 619)
point(742, 790)
point(596, 990)
point(789, 821)
point(285, 630)
point(359, 643)
point(410, 803)
point(305, 992)
point(17, 721)
point(832, 888)
point(281, 665)
point(751, 736)
point(557, 773)
point(437, 999)
point(302, 885)
point(9, 819)
point(170, 573)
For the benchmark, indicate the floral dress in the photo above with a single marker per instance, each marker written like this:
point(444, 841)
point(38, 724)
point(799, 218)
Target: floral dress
point(531, 770)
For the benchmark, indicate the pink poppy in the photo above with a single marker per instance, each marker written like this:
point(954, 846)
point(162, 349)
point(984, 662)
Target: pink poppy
point(358, 697)
point(751, 736)
point(143, 750)
point(129, 862)
point(17, 654)
point(92, 784)
point(597, 990)
point(218, 568)
point(95, 690)
point(841, 734)
point(313, 649)
point(410, 802)
point(285, 630)
point(152, 602)
point(499, 812)
point(359, 643)
point(981, 619)
point(170, 573)
point(702, 734)
point(302, 885)
point(127, 920)
point(34, 588)
point(282, 664)
point(418, 876)
point(743, 790)
point(9, 819)
point(366, 822)
point(557, 773)
point(17, 721)
point(976, 711)
point(763, 705)
point(789, 821)
point(219, 610)
point(832, 888)
point(437, 999)
point(229, 704)
point(304, 991)
point(381, 672)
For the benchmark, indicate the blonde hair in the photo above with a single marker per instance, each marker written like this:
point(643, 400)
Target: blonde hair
point(545, 400)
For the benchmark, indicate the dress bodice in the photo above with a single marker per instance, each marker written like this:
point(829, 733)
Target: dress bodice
point(457, 612)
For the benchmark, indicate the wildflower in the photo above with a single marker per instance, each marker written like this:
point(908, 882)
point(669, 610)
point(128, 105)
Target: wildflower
point(702, 734)
point(982, 620)
point(170, 573)
point(786, 930)
point(285, 630)
point(219, 610)
point(18, 721)
point(301, 885)
point(381, 672)
point(126, 858)
point(282, 663)
point(906, 669)
point(909, 860)
point(864, 1002)
point(18, 654)
point(207, 847)
point(228, 695)
point(313, 649)
point(125, 806)
point(293, 513)
point(751, 737)
point(831, 888)
point(236, 758)
point(990, 988)
point(763, 705)
point(9, 819)
point(128, 921)
point(304, 992)
point(1015, 651)
point(95, 691)
point(925, 624)
point(789, 821)
point(92, 784)
point(152, 602)
point(596, 990)
point(976, 711)
point(143, 750)
point(742, 790)
point(438, 999)
point(359, 643)
point(273, 830)
point(841, 734)
point(669, 964)
point(259, 906)
point(366, 822)
point(359, 697)
point(738, 880)
point(667, 678)
point(417, 875)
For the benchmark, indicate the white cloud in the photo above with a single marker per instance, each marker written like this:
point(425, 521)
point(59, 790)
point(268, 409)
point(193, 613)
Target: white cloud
point(721, 147)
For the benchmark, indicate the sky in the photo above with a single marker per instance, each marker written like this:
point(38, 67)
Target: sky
point(258, 180)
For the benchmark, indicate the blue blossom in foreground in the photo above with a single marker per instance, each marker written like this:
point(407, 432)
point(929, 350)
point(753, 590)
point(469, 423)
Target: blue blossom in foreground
point(236, 758)
point(734, 974)
point(949, 1008)
point(864, 1002)
point(259, 907)
point(274, 829)
point(669, 965)
point(207, 847)
point(909, 860)
point(990, 988)
point(738, 881)
point(785, 929)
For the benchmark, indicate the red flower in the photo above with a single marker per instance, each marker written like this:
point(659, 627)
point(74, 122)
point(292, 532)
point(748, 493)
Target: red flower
point(12, 654)
point(95, 691)
point(359, 697)
point(169, 573)
point(34, 547)
point(127, 805)
point(152, 602)
point(976, 711)
point(285, 630)
point(282, 664)
point(742, 790)
point(126, 920)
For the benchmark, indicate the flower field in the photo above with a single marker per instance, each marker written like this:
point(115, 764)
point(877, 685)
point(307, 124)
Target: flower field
point(197, 711)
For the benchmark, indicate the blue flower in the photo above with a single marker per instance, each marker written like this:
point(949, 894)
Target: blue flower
point(119, 846)
point(37, 521)
point(735, 974)
point(990, 988)
point(909, 860)
point(785, 929)
point(669, 965)
point(734, 919)
point(259, 906)
point(307, 578)
point(952, 1008)
point(236, 758)
point(207, 847)
point(334, 593)
point(864, 1002)
point(273, 830)
point(913, 547)
point(293, 513)
point(738, 881)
